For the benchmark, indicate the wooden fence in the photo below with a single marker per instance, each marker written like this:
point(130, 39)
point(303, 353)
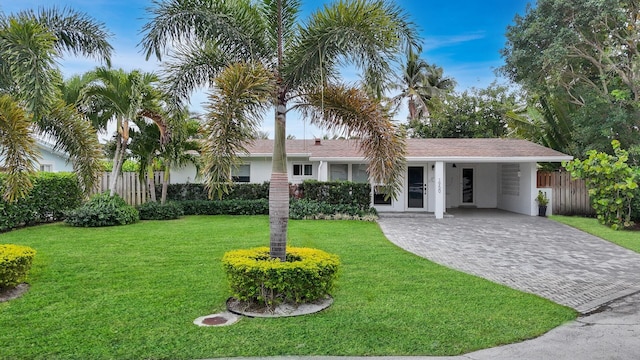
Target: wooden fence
point(570, 196)
point(128, 186)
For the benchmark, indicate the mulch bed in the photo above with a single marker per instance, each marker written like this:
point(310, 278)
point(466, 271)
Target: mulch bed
point(7, 294)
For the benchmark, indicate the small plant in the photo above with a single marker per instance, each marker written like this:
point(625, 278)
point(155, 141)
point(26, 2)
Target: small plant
point(15, 263)
point(542, 198)
point(156, 211)
point(306, 276)
point(103, 210)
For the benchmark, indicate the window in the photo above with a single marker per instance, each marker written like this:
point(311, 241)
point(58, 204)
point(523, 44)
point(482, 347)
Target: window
point(338, 172)
point(241, 173)
point(302, 169)
point(359, 173)
point(46, 167)
point(380, 198)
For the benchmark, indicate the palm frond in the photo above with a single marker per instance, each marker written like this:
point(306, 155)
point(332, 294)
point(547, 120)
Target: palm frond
point(192, 66)
point(75, 135)
point(369, 34)
point(287, 11)
point(17, 148)
point(241, 95)
point(29, 50)
point(76, 32)
point(343, 109)
point(236, 25)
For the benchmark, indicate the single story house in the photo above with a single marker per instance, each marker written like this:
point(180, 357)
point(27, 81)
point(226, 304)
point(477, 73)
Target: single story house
point(440, 173)
point(49, 158)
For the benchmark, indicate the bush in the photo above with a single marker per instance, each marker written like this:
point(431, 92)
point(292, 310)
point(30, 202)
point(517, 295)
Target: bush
point(15, 263)
point(51, 196)
point(310, 209)
point(186, 192)
point(103, 210)
point(338, 192)
point(225, 207)
point(156, 211)
point(306, 276)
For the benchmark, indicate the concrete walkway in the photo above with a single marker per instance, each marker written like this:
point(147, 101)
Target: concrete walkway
point(528, 253)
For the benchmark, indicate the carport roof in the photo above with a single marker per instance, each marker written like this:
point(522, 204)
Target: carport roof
point(472, 150)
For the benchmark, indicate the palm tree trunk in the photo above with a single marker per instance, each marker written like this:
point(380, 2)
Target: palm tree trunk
point(151, 183)
point(279, 188)
point(115, 170)
point(165, 184)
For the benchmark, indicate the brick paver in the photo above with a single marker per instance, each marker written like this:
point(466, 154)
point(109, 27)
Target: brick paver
point(527, 253)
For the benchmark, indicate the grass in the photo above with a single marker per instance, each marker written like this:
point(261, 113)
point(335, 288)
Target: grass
point(132, 292)
point(625, 238)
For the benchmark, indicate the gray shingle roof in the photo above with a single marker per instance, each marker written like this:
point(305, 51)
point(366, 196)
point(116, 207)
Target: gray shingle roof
point(421, 149)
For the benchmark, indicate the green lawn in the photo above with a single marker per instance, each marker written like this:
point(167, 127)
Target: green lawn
point(132, 292)
point(624, 238)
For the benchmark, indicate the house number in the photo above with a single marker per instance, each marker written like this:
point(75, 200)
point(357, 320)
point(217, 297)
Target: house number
point(439, 186)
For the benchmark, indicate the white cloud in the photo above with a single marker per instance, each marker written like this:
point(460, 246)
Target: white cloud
point(437, 42)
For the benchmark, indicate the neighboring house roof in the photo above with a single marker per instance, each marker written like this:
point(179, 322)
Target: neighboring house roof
point(473, 150)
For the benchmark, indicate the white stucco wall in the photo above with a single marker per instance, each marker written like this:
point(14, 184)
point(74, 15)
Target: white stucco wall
point(184, 175)
point(523, 203)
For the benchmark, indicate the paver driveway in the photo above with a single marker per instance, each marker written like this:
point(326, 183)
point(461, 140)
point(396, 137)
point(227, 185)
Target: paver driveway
point(528, 253)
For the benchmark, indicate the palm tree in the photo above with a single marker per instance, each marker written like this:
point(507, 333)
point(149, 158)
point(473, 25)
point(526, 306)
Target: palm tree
point(419, 83)
point(30, 103)
point(125, 97)
point(257, 55)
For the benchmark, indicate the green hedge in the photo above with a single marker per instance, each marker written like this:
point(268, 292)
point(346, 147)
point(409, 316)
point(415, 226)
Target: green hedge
point(338, 192)
point(51, 196)
point(103, 210)
point(306, 276)
point(187, 192)
point(225, 207)
point(311, 209)
point(156, 211)
point(15, 263)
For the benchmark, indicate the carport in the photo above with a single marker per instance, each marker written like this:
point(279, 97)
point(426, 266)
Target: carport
point(446, 174)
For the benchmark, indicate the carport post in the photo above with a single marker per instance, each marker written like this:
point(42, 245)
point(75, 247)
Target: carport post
point(439, 190)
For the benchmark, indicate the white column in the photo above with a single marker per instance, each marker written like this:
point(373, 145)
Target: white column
point(439, 189)
point(323, 171)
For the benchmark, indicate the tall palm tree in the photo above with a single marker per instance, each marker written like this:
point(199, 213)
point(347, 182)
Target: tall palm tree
point(257, 55)
point(30, 103)
point(419, 83)
point(125, 97)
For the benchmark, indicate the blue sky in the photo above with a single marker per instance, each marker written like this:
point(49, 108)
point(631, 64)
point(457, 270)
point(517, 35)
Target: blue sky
point(463, 37)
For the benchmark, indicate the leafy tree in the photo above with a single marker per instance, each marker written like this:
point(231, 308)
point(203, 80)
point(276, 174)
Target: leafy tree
point(475, 113)
point(256, 54)
point(31, 43)
point(611, 183)
point(587, 53)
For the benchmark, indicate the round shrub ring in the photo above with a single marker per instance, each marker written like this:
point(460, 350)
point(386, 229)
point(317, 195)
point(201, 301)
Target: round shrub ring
point(15, 263)
point(308, 275)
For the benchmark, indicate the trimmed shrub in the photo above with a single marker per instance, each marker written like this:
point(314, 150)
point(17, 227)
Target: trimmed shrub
point(51, 196)
point(338, 192)
point(103, 210)
point(15, 263)
point(310, 209)
point(156, 211)
point(187, 192)
point(306, 276)
point(225, 207)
